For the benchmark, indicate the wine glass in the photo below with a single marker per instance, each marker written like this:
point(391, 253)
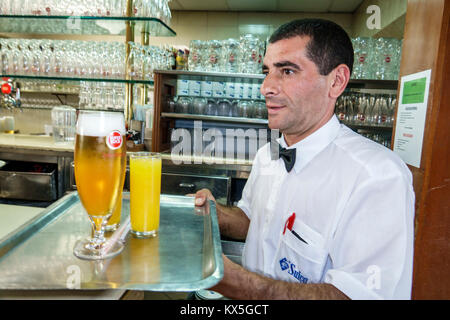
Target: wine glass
point(16, 57)
point(339, 108)
point(362, 109)
point(35, 55)
point(133, 61)
point(4, 56)
point(100, 162)
point(46, 57)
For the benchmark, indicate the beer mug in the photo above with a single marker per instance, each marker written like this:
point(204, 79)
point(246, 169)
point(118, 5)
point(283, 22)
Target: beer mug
point(100, 162)
point(63, 122)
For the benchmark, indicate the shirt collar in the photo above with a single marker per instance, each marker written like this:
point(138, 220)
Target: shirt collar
point(309, 147)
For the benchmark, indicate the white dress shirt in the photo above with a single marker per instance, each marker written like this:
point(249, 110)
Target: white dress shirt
point(354, 211)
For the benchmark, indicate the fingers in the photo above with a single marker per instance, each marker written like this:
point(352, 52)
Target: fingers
point(199, 198)
point(200, 201)
point(202, 195)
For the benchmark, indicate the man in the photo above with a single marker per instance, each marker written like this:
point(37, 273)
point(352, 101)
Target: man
point(333, 219)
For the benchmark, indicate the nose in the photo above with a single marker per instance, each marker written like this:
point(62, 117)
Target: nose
point(270, 86)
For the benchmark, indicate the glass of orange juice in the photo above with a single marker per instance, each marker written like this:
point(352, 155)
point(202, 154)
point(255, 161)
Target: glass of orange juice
point(145, 190)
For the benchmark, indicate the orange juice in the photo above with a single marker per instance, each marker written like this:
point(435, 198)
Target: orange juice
point(145, 189)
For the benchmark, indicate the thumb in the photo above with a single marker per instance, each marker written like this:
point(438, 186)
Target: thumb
point(200, 200)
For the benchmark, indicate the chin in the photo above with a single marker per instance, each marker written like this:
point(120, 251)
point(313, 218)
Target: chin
point(275, 121)
point(273, 124)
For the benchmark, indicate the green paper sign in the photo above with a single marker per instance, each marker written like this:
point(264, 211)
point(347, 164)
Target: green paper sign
point(414, 91)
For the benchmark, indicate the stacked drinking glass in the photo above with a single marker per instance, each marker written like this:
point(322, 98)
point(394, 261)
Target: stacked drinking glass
point(231, 56)
point(376, 58)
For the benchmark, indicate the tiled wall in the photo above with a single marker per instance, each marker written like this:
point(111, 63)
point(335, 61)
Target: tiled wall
point(191, 25)
point(29, 120)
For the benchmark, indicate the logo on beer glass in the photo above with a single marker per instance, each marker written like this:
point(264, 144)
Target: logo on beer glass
point(114, 140)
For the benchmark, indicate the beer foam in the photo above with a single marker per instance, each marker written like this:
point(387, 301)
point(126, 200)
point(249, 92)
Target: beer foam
point(100, 124)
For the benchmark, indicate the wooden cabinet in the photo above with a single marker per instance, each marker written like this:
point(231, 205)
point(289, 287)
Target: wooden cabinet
point(426, 46)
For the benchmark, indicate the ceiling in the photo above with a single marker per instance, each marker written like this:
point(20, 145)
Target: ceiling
point(318, 6)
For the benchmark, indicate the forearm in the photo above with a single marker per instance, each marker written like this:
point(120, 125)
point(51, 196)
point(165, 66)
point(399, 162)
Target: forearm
point(233, 222)
point(281, 290)
point(239, 283)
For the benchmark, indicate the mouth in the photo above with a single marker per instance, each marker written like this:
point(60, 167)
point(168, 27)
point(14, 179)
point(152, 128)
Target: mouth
point(274, 109)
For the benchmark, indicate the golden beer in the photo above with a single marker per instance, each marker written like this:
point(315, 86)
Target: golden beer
point(100, 162)
point(98, 173)
point(114, 221)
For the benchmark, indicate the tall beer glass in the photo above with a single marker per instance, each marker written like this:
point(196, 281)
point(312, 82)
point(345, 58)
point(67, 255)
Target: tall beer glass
point(100, 161)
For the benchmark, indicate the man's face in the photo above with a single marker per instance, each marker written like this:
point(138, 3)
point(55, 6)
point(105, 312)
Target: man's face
point(296, 94)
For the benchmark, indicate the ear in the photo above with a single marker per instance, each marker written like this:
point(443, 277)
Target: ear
point(339, 79)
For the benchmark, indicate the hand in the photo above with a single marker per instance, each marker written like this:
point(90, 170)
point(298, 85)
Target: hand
point(201, 196)
point(230, 270)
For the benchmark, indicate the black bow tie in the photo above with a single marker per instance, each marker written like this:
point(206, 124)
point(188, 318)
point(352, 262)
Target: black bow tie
point(288, 155)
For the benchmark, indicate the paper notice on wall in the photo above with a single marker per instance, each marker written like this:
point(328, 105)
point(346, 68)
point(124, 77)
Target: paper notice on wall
point(412, 110)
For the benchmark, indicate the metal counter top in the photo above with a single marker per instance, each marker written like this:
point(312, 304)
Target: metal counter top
point(32, 142)
point(44, 149)
point(12, 217)
point(185, 256)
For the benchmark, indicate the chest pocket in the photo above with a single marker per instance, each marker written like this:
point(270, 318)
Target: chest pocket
point(299, 260)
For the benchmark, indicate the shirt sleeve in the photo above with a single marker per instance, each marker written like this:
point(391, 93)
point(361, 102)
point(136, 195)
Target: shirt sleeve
point(372, 248)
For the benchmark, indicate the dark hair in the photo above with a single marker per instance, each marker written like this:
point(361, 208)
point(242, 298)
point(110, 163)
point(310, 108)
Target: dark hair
point(329, 46)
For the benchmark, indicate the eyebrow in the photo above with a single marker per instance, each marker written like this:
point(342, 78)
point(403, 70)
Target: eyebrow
point(283, 64)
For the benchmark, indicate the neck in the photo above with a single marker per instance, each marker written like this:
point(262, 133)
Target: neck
point(293, 138)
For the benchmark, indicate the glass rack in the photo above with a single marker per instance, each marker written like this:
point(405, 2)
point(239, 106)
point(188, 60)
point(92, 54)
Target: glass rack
point(116, 80)
point(83, 25)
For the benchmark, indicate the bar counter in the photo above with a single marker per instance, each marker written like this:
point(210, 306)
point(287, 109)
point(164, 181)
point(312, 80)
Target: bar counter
point(42, 143)
point(12, 217)
point(34, 142)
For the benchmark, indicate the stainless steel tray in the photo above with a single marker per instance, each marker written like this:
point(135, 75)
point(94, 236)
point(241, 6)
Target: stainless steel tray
point(185, 256)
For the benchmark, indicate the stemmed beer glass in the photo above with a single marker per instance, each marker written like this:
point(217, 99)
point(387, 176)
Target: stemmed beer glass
point(100, 162)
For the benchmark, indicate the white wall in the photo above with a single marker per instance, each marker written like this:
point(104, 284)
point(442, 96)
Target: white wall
point(393, 13)
point(196, 25)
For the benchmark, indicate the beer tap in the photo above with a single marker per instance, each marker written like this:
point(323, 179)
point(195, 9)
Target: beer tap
point(10, 95)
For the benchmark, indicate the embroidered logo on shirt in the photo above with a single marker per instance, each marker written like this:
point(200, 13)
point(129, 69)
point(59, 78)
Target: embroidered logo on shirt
point(291, 269)
point(283, 264)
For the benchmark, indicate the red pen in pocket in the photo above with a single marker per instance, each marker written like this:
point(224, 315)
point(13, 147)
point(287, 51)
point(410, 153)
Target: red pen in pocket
point(289, 224)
